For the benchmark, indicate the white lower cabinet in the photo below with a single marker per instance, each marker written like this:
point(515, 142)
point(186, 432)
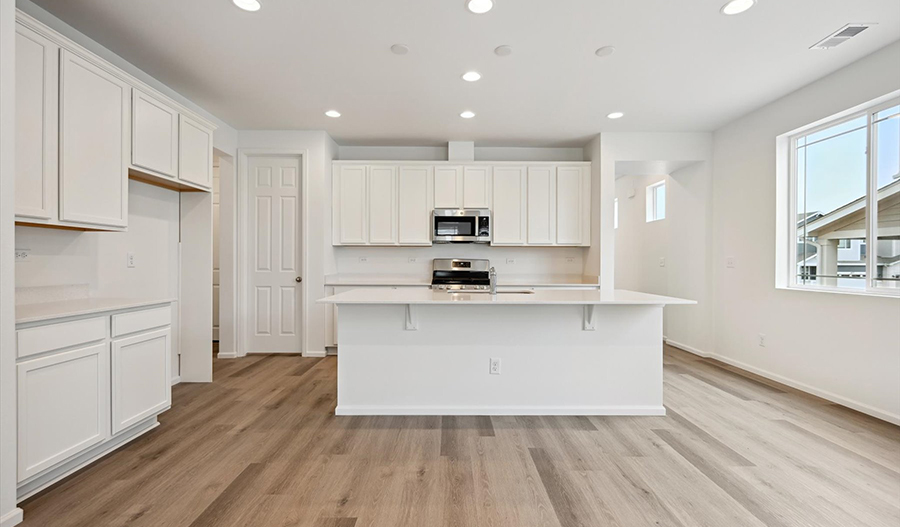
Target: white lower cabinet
point(63, 406)
point(84, 385)
point(141, 384)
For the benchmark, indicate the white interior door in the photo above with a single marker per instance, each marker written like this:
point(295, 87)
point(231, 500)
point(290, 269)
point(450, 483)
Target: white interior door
point(273, 295)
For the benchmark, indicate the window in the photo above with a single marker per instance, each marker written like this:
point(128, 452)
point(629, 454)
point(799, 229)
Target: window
point(656, 202)
point(845, 197)
point(616, 214)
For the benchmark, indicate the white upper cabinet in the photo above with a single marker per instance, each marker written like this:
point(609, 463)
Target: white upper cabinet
point(541, 206)
point(573, 206)
point(37, 128)
point(93, 168)
point(195, 146)
point(349, 205)
point(509, 206)
point(448, 187)
point(477, 187)
point(382, 205)
point(416, 202)
point(154, 135)
point(391, 204)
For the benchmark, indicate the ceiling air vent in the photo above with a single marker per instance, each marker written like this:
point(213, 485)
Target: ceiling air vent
point(841, 35)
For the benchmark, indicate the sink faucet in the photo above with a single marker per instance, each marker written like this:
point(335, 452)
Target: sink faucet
point(493, 276)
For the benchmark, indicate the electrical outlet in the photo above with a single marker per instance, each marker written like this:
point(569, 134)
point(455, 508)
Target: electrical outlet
point(413, 260)
point(22, 255)
point(570, 259)
point(495, 366)
point(511, 261)
point(363, 260)
point(762, 340)
point(730, 262)
point(662, 261)
point(129, 260)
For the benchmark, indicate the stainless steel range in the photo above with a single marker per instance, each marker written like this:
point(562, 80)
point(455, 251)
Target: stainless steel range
point(460, 275)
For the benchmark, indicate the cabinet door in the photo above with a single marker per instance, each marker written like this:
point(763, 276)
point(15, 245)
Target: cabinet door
point(477, 187)
point(541, 206)
point(93, 180)
point(349, 205)
point(154, 135)
point(570, 210)
point(63, 407)
point(37, 125)
point(416, 203)
point(195, 146)
point(448, 187)
point(382, 200)
point(141, 382)
point(508, 212)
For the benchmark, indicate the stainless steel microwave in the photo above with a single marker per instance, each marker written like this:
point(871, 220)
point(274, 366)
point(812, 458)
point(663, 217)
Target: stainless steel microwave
point(461, 226)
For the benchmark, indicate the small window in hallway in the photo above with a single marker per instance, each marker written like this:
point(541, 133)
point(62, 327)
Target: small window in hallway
point(656, 201)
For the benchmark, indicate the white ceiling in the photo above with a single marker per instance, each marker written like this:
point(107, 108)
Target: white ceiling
point(679, 64)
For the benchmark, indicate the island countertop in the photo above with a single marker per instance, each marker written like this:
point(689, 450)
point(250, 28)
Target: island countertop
point(507, 296)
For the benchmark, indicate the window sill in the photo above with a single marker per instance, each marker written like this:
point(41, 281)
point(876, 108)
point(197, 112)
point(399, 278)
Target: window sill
point(854, 292)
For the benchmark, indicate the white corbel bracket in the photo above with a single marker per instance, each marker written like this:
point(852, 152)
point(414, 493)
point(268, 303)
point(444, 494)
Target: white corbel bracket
point(412, 318)
point(590, 324)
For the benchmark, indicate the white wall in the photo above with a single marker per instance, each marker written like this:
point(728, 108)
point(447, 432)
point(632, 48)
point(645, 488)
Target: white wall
point(98, 259)
point(320, 151)
point(843, 347)
point(9, 513)
point(682, 239)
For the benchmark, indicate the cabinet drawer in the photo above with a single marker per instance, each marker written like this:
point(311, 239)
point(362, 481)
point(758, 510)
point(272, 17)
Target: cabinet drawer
point(126, 323)
point(39, 339)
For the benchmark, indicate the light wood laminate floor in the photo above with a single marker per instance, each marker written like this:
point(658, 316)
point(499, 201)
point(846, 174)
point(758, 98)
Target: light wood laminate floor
point(261, 447)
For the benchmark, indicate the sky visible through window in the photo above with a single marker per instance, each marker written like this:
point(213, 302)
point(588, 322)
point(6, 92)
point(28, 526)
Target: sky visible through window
point(831, 163)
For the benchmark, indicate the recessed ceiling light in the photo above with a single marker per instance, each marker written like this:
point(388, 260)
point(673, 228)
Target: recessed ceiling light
point(480, 7)
point(333, 113)
point(471, 76)
point(503, 51)
point(399, 49)
point(616, 115)
point(605, 51)
point(247, 5)
point(736, 7)
point(467, 114)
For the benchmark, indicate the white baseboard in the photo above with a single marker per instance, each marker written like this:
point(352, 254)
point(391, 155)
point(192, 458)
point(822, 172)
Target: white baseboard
point(176, 380)
point(498, 410)
point(803, 387)
point(13, 517)
point(223, 355)
point(314, 354)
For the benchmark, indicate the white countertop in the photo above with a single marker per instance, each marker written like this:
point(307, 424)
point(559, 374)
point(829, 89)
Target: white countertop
point(82, 306)
point(539, 297)
point(558, 280)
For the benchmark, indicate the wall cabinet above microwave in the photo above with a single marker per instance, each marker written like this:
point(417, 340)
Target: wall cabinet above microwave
point(390, 203)
point(83, 126)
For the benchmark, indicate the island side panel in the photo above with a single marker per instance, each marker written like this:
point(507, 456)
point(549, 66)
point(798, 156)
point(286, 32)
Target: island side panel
point(549, 364)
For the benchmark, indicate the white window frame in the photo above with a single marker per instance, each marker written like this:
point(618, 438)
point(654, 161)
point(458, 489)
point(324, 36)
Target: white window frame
point(650, 201)
point(786, 146)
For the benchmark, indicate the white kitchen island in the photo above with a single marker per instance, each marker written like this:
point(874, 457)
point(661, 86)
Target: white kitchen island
point(561, 352)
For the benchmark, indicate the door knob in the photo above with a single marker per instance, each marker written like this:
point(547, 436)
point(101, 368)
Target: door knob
point(298, 279)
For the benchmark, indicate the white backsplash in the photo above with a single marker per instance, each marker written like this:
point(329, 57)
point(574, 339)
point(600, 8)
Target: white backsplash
point(416, 261)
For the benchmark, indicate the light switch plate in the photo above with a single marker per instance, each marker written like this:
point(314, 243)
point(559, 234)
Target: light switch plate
point(730, 262)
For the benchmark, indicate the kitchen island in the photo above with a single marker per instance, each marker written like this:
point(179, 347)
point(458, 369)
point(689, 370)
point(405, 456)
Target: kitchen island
point(544, 352)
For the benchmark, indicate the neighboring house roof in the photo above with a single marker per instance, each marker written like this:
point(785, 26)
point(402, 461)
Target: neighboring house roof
point(852, 212)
